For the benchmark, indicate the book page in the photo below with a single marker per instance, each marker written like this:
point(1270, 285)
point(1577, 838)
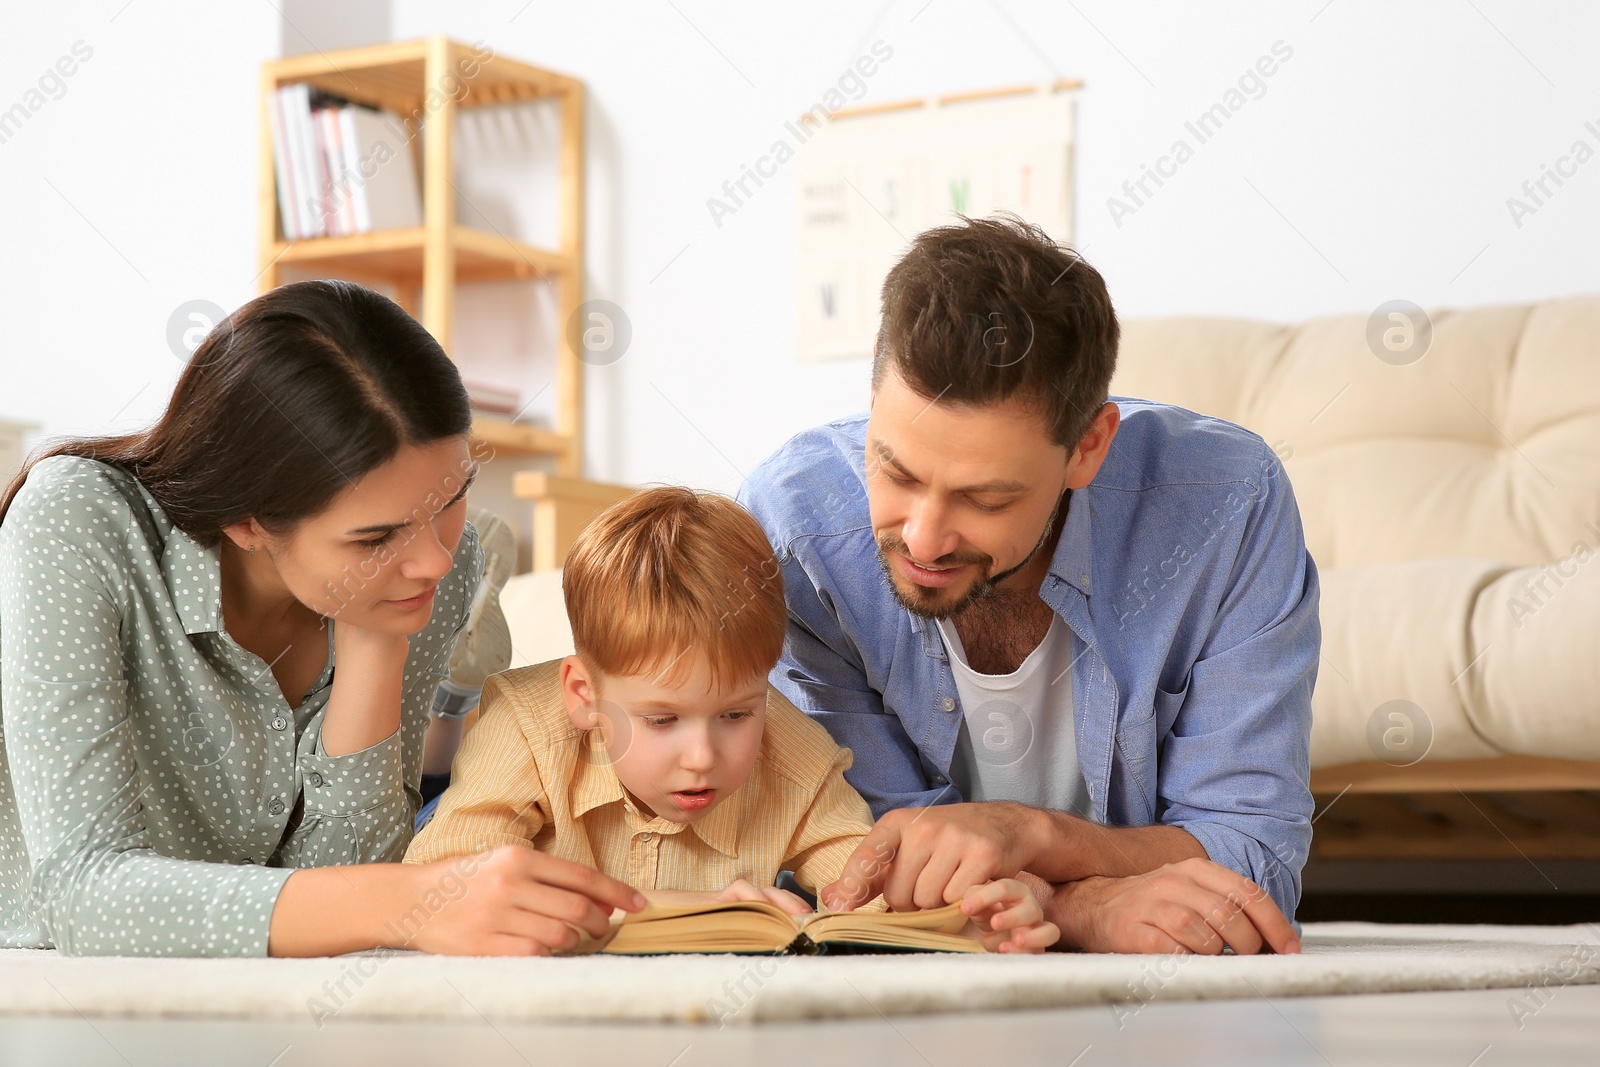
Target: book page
point(935, 928)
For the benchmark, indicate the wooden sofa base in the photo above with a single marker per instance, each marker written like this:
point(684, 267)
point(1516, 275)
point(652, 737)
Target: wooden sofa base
point(1510, 807)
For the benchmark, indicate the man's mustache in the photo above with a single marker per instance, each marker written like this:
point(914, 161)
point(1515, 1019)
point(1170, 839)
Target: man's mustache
point(893, 543)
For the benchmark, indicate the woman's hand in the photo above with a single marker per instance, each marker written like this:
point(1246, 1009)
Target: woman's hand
point(511, 901)
point(351, 642)
point(1008, 917)
point(744, 889)
point(364, 705)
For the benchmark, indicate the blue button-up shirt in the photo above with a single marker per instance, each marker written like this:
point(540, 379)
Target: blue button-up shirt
point(1183, 576)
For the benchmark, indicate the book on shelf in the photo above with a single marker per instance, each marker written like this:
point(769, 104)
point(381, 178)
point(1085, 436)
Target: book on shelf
point(341, 168)
point(760, 927)
point(493, 399)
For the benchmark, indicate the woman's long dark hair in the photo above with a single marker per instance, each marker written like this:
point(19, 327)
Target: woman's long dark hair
point(285, 403)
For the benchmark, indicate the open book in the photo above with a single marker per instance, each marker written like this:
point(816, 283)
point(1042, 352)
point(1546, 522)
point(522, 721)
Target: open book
point(756, 926)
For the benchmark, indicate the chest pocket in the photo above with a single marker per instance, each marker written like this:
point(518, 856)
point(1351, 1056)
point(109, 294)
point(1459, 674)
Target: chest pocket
point(1167, 706)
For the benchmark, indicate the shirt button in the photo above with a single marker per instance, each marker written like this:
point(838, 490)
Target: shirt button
point(276, 807)
point(280, 723)
point(1084, 577)
point(647, 837)
point(948, 704)
point(940, 779)
point(315, 779)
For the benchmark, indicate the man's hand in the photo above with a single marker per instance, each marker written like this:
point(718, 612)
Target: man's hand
point(1194, 905)
point(1008, 917)
point(927, 857)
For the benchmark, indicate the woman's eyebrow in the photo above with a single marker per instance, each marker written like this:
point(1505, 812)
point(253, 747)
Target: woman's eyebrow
point(390, 527)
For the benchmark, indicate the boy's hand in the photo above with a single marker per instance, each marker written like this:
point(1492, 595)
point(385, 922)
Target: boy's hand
point(744, 889)
point(511, 901)
point(1009, 917)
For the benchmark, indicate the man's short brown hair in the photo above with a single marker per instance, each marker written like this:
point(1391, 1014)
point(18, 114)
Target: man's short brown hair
point(670, 574)
point(985, 310)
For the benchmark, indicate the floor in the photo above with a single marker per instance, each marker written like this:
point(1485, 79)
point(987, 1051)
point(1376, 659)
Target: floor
point(1485, 1028)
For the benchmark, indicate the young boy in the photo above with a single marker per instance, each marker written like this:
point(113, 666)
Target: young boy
point(659, 754)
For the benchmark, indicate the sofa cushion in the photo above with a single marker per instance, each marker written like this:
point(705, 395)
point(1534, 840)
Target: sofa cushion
point(1487, 447)
point(1395, 632)
point(536, 615)
point(1537, 686)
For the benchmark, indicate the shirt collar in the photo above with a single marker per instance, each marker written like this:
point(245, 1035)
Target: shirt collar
point(720, 829)
point(193, 573)
point(1073, 561)
point(596, 784)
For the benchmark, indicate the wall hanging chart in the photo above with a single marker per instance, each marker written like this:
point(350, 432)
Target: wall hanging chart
point(870, 179)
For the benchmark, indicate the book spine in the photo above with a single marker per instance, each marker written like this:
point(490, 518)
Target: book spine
point(355, 181)
point(389, 179)
point(333, 161)
point(303, 150)
point(327, 174)
point(347, 177)
point(281, 168)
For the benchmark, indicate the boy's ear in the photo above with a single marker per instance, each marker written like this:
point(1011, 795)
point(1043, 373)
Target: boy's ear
point(578, 693)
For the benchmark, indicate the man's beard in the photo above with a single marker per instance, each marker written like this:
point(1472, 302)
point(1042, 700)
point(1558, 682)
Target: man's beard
point(924, 602)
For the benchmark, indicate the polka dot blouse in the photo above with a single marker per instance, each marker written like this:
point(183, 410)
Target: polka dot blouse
point(156, 790)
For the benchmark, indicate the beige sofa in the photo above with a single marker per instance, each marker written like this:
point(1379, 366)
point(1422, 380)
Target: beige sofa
point(1450, 499)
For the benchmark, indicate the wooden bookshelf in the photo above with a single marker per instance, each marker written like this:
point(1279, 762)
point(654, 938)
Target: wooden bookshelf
point(562, 507)
point(424, 83)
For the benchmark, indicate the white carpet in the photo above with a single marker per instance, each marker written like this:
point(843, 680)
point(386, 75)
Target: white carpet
point(1339, 958)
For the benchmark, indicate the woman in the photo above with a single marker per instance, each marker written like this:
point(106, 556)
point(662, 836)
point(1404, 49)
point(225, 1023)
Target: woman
point(188, 773)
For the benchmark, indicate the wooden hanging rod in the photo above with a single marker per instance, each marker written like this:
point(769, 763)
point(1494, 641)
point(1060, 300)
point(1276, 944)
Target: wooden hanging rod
point(1060, 85)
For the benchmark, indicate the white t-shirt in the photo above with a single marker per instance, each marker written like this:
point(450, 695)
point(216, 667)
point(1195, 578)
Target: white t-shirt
point(1017, 738)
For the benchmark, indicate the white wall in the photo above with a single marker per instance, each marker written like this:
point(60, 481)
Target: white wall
point(1376, 165)
point(128, 192)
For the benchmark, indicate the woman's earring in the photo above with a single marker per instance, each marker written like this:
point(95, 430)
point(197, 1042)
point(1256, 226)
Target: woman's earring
point(251, 550)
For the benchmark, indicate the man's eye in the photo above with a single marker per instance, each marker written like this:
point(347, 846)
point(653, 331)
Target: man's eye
point(989, 507)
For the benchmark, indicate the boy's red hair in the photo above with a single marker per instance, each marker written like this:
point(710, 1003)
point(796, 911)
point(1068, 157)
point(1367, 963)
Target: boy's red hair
point(667, 574)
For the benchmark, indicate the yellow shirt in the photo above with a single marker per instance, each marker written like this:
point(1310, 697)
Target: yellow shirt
point(525, 775)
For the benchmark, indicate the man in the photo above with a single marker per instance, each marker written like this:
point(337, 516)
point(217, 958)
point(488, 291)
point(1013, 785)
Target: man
point(1063, 635)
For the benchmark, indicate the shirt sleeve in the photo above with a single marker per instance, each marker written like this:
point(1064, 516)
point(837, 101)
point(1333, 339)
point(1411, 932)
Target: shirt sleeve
point(353, 808)
point(95, 883)
point(496, 795)
point(1235, 766)
point(829, 832)
point(822, 675)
